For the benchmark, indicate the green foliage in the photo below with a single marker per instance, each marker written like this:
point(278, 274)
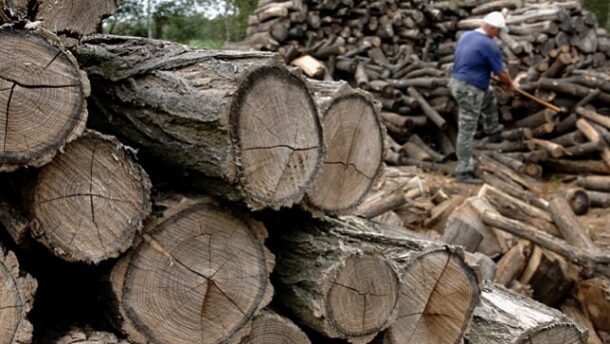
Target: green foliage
point(205, 23)
point(602, 9)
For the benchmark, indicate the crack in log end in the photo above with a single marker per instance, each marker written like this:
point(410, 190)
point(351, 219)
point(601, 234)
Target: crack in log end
point(8, 109)
point(352, 165)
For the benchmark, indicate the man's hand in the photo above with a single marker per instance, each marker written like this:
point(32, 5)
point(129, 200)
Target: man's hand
point(507, 81)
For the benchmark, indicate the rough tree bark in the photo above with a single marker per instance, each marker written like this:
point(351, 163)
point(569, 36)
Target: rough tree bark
point(42, 98)
point(240, 119)
point(90, 201)
point(340, 286)
point(16, 300)
point(184, 282)
point(354, 140)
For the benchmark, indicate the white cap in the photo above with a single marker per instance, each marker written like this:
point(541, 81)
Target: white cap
point(495, 19)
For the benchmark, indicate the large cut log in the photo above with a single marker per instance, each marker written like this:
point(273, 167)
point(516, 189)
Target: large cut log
point(184, 283)
point(340, 286)
point(354, 139)
point(88, 203)
point(269, 327)
point(240, 121)
point(434, 308)
point(42, 98)
point(16, 300)
point(504, 316)
point(80, 17)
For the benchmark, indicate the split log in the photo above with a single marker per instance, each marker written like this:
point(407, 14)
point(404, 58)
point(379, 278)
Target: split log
point(237, 118)
point(594, 294)
point(189, 251)
point(512, 264)
point(16, 300)
point(514, 190)
point(86, 336)
point(15, 222)
point(354, 140)
point(518, 319)
point(90, 201)
point(465, 228)
point(573, 309)
point(269, 327)
point(43, 92)
point(549, 275)
point(78, 17)
point(342, 287)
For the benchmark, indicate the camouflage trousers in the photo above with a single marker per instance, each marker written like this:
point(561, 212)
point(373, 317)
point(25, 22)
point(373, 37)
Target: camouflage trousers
point(472, 102)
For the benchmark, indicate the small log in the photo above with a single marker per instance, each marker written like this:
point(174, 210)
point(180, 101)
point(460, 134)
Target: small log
point(43, 95)
point(555, 150)
point(568, 224)
point(493, 166)
point(599, 199)
point(17, 299)
point(439, 215)
point(530, 169)
point(570, 139)
point(598, 183)
point(518, 319)
point(593, 116)
point(577, 166)
point(514, 190)
point(584, 149)
point(517, 209)
point(414, 151)
point(427, 109)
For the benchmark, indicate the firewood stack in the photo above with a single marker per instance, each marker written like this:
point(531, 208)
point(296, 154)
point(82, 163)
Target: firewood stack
point(188, 234)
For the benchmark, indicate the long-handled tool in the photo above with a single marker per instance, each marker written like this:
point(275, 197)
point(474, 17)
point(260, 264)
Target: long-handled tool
point(534, 98)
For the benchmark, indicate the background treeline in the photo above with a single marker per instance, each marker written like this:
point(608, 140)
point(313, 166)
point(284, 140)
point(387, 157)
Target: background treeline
point(205, 23)
point(209, 23)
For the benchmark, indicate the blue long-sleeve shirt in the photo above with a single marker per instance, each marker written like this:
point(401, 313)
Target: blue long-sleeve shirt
point(476, 56)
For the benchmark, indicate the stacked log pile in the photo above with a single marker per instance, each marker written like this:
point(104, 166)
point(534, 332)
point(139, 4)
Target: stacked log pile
point(401, 52)
point(173, 226)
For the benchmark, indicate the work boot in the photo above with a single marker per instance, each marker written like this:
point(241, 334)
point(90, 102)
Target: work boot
point(468, 178)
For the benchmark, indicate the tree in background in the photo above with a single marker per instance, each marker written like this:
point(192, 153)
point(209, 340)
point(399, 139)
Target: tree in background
point(206, 23)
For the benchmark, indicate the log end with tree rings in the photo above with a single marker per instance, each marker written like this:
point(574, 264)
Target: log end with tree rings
point(277, 137)
point(437, 298)
point(42, 99)
point(357, 303)
point(16, 298)
point(354, 155)
point(76, 16)
point(90, 200)
point(197, 277)
point(270, 328)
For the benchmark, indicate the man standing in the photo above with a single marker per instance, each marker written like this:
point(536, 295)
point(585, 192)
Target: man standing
point(476, 57)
